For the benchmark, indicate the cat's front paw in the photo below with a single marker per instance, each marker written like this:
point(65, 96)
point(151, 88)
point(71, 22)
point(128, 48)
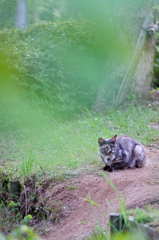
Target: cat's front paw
point(108, 168)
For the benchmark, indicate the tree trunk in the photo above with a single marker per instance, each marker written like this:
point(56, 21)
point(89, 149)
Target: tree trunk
point(131, 72)
point(21, 20)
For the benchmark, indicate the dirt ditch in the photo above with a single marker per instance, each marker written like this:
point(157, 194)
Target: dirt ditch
point(77, 218)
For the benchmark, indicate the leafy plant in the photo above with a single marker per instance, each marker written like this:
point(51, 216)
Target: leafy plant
point(19, 233)
point(14, 206)
point(27, 219)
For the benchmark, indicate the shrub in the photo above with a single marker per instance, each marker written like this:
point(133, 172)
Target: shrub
point(54, 65)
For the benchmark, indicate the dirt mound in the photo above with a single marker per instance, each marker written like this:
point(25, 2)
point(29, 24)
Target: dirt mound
point(78, 219)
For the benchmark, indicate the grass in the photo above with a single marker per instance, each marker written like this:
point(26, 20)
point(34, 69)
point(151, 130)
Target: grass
point(63, 147)
point(147, 215)
point(71, 187)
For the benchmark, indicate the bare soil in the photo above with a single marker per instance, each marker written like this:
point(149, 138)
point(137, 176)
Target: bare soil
point(78, 218)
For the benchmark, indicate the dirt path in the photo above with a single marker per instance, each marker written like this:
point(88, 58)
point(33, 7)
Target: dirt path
point(137, 186)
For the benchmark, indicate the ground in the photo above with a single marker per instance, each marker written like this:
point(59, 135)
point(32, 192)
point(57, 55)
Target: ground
point(78, 217)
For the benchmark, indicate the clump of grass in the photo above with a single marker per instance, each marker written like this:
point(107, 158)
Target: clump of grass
point(26, 166)
point(147, 215)
point(71, 187)
point(141, 216)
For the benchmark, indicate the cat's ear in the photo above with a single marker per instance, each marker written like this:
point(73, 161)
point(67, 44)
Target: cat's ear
point(114, 138)
point(101, 141)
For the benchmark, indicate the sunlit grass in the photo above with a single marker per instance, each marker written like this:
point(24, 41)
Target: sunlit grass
point(61, 147)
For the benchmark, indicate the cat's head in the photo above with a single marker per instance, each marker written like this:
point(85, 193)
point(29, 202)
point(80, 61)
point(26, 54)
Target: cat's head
point(107, 146)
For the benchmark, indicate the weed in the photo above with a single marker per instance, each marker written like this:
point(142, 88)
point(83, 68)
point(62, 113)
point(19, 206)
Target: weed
point(27, 219)
point(71, 187)
point(14, 206)
point(26, 166)
point(9, 217)
point(146, 215)
point(98, 234)
point(123, 209)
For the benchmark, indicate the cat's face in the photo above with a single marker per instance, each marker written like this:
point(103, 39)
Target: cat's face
point(107, 146)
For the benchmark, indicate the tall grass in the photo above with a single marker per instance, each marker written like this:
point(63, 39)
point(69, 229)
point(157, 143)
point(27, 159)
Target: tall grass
point(26, 165)
point(63, 147)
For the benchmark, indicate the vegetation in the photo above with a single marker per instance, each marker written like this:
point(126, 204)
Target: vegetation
point(64, 149)
point(119, 236)
point(50, 75)
point(155, 82)
point(36, 11)
point(50, 67)
point(59, 147)
point(21, 233)
point(147, 215)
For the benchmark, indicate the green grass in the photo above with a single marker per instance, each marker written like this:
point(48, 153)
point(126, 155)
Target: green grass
point(148, 215)
point(63, 147)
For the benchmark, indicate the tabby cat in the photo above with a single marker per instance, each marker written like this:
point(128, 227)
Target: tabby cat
point(121, 152)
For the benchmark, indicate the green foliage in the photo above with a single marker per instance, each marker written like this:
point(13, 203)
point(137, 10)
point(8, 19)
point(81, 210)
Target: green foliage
point(147, 215)
point(118, 236)
point(71, 187)
point(27, 219)
point(129, 236)
point(4, 182)
point(14, 205)
point(26, 165)
point(10, 216)
point(141, 215)
point(50, 67)
point(36, 11)
point(20, 233)
point(155, 82)
point(7, 13)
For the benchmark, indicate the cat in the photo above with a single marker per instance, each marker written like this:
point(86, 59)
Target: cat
point(121, 152)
